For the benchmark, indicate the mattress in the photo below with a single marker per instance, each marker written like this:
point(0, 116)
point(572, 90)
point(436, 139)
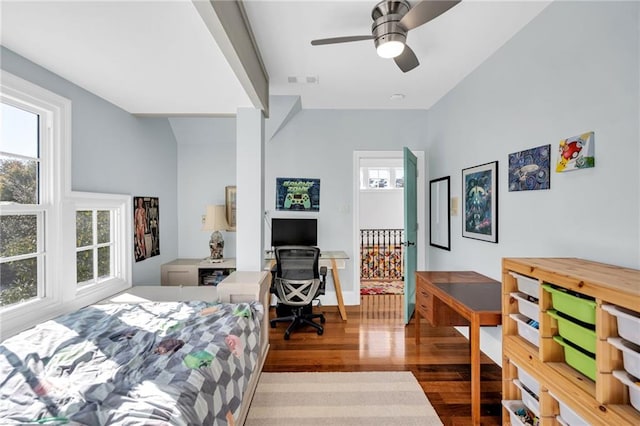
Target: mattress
point(178, 363)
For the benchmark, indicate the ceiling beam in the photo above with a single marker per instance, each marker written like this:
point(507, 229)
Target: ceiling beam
point(228, 24)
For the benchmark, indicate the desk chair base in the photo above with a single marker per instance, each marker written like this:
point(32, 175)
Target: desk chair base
point(298, 319)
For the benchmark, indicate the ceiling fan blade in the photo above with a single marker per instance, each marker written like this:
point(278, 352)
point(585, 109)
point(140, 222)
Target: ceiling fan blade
point(407, 60)
point(340, 40)
point(425, 11)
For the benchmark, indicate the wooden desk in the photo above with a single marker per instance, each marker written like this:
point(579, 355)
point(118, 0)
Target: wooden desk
point(460, 298)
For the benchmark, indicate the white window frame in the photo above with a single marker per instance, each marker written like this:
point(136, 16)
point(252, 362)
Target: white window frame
point(364, 178)
point(57, 208)
point(54, 148)
point(94, 247)
point(121, 232)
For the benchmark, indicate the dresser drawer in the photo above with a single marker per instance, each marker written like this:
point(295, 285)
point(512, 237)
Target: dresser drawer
point(176, 275)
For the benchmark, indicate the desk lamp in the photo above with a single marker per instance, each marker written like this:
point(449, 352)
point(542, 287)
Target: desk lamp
point(215, 221)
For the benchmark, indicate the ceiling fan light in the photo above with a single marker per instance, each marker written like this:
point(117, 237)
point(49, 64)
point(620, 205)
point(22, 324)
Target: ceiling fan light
point(390, 49)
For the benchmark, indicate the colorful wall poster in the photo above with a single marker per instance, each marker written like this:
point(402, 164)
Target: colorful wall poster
point(298, 194)
point(480, 205)
point(577, 152)
point(146, 220)
point(530, 169)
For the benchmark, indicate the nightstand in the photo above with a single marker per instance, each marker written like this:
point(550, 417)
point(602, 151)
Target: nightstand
point(194, 272)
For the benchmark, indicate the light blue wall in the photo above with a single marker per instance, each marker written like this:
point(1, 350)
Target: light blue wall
point(115, 152)
point(320, 144)
point(206, 164)
point(314, 144)
point(573, 69)
point(546, 84)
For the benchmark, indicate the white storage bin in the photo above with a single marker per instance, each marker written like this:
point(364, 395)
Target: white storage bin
point(632, 384)
point(630, 354)
point(527, 285)
point(628, 322)
point(512, 407)
point(525, 330)
point(529, 400)
point(526, 307)
point(569, 416)
point(528, 380)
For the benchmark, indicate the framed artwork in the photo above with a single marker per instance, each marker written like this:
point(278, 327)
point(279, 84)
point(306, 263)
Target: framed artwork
point(530, 169)
point(439, 213)
point(230, 206)
point(577, 152)
point(146, 233)
point(480, 202)
point(298, 194)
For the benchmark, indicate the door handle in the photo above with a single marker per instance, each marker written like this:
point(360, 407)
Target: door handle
point(408, 243)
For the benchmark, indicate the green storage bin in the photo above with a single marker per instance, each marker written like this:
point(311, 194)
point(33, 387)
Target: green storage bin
point(578, 359)
point(575, 333)
point(576, 307)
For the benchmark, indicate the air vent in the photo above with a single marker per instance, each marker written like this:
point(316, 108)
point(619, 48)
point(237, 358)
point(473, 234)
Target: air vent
point(309, 79)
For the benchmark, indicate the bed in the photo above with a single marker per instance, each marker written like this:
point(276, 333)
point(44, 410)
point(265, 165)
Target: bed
point(152, 356)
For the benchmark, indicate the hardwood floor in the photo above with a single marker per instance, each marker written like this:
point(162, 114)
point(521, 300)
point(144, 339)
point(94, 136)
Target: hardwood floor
point(374, 338)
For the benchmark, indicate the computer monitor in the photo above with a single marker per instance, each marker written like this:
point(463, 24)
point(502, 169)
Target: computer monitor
point(294, 232)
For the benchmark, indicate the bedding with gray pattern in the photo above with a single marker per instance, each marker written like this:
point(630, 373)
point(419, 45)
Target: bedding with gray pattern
point(169, 363)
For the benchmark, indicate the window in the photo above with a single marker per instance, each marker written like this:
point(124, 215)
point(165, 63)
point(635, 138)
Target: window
point(378, 178)
point(398, 177)
point(94, 246)
point(381, 178)
point(25, 202)
point(102, 256)
point(40, 273)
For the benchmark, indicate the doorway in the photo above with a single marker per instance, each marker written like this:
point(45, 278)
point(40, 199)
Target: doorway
point(378, 224)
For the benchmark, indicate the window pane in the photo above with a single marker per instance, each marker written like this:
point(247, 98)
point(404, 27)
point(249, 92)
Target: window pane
point(104, 226)
point(84, 228)
point(19, 131)
point(104, 262)
point(399, 178)
point(19, 180)
point(378, 178)
point(18, 281)
point(18, 235)
point(84, 265)
point(378, 183)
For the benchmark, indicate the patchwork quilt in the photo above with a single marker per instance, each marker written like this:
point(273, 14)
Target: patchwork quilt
point(176, 363)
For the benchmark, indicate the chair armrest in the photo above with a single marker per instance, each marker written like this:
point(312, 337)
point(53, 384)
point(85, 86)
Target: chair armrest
point(323, 279)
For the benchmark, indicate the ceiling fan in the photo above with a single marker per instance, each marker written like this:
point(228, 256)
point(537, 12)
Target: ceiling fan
point(392, 20)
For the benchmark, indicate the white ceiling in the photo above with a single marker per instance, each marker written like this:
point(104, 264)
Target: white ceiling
point(147, 57)
point(157, 57)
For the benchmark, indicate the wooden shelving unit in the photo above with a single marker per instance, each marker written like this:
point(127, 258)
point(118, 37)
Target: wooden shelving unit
point(600, 402)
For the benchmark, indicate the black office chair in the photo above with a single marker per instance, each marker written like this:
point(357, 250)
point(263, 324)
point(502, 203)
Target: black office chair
point(297, 282)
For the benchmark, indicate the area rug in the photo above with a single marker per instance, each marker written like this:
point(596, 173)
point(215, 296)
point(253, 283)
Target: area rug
point(330, 399)
point(381, 287)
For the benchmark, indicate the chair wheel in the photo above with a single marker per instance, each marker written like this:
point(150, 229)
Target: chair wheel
point(320, 331)
point(323, 320)
point(286, 336)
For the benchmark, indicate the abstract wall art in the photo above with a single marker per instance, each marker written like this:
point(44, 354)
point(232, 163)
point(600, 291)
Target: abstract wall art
point(577, 152)
point(530, 169)
point(480, 202)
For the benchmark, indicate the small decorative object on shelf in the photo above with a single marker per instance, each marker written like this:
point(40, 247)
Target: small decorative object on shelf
point(215, 221)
